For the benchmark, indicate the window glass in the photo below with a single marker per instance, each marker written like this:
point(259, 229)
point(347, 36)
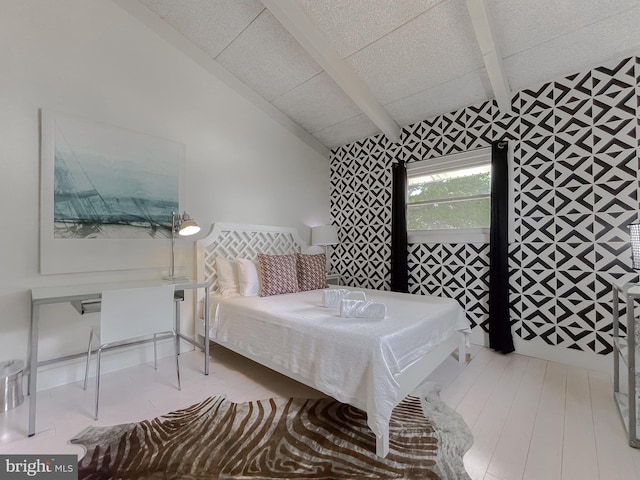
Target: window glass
point(449, 199)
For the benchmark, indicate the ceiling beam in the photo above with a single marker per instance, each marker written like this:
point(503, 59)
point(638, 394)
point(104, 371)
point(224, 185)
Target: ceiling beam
point(490, 53)
point(304, 31)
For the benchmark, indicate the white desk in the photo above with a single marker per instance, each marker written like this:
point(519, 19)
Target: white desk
point(93, 291)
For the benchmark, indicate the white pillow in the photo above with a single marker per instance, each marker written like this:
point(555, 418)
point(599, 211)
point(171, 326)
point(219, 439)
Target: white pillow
point(227, 276)
point(248, 280)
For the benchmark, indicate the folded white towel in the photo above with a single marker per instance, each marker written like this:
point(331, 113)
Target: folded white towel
point(355, 295)
point(362, 309)
point(331, 296)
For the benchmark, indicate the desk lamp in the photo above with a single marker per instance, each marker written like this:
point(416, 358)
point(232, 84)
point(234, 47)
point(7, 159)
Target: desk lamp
point(183, 225)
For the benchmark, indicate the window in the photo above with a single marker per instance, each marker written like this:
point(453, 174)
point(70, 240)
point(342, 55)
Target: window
point(449, 198)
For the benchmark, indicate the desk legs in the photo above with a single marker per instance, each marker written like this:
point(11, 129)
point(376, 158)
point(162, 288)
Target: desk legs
point(193, 341)
point(177, 326)
point(631, 370)
point(206, 330)
point(33, 368)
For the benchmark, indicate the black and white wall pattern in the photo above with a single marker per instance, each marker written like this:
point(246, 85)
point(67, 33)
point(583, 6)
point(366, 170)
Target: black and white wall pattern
point(576, 148)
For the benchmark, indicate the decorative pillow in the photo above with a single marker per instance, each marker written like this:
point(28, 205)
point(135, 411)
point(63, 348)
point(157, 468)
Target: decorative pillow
point(227, 276)
point(311, 271)
point(248, 279)
point(278, 274)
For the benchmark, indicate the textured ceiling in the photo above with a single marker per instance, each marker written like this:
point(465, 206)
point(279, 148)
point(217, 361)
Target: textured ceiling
point(413, 58)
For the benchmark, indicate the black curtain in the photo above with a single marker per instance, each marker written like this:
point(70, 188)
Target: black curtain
point(500, 338)
point(399, 249)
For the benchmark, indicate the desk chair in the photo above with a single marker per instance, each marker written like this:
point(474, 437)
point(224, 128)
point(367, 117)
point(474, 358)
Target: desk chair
point(129, 315)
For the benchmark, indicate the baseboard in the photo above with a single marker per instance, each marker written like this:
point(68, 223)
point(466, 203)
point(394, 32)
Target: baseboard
point(539, 349)
point(70, 371)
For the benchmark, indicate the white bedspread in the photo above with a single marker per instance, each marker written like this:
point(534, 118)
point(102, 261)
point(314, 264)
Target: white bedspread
point(354, 360)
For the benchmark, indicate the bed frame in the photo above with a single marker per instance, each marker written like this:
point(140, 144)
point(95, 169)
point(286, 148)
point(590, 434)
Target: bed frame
point(246, 241)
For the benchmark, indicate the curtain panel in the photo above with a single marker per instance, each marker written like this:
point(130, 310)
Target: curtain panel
point(399, 247)
point(500, 337)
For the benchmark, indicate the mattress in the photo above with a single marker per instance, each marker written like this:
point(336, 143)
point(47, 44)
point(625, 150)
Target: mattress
point(354, 360)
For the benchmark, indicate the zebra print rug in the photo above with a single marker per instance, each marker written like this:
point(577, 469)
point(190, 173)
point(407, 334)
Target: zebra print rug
point(279, 439)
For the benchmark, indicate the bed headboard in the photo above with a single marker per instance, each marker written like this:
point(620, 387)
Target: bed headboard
point(232, 240)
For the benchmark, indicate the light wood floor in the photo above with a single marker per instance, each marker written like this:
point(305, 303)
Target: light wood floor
point(531, 419)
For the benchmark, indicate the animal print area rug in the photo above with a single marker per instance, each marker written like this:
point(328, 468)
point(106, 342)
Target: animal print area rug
point(280, 439)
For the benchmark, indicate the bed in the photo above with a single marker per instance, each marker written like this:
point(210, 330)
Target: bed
point(370, 363)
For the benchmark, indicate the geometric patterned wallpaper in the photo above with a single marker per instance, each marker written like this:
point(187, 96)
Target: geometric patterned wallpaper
point(576, 148)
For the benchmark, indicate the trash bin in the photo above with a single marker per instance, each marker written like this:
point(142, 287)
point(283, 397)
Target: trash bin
point(11, 384)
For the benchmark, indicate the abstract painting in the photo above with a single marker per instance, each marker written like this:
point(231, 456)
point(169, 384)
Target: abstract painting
point(104, 193)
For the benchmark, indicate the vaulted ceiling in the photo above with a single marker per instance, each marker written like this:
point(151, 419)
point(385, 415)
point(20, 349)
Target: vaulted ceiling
point(336, 71)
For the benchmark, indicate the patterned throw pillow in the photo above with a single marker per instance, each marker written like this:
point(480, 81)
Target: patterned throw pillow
point(311, 271)
point(278, 274)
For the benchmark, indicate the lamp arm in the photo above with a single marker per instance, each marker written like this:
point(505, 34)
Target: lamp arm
point(174, 216)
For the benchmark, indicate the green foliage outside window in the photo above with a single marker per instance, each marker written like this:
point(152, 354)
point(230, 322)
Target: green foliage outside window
point(437, 201)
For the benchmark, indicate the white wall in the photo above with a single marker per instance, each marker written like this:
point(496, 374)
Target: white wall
point(92, 59)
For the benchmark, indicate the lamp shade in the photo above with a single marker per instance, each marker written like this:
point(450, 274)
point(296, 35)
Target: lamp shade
point(634, 231)
point(188, 226)
point(324, 235)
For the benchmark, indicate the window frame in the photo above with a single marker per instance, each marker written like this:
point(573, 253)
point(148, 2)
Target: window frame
point(456, 161)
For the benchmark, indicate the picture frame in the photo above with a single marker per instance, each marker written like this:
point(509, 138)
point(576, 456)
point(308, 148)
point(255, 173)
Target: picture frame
point(106, 196)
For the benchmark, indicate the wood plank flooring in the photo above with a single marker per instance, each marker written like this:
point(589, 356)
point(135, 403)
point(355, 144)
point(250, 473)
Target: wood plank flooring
point(531, 419)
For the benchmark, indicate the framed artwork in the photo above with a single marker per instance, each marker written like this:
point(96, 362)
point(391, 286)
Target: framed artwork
point(107, 196)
